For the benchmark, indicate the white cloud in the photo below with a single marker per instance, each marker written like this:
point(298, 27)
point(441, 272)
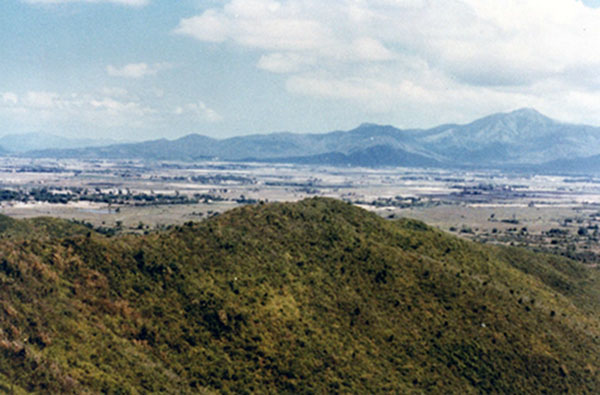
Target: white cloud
point(469, 39)
point(369, 49)
point(136, 70)
point(284, 62)
point(208, 27)
point(383, 52)
point(360, 89)
point(261, 24)
point(132, 3)
point(107, 111)
point(35, 109)
point(113, 91)
point(198, 110)
point(10, 98)
point(116, 107)
point(43, 100)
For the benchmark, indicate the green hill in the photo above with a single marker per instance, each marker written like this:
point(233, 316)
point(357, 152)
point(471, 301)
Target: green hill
point(39, 229)
point(310, 297)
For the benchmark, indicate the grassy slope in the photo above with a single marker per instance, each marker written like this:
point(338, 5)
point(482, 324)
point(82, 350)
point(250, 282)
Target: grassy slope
point(299, 297)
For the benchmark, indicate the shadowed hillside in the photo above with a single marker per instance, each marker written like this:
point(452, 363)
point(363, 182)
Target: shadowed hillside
point(310, 297)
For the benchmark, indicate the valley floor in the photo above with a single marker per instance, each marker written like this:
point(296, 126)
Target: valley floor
point(553, 213)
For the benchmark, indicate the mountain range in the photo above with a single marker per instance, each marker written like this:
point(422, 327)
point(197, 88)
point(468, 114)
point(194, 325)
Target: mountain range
point(19, 143)
point(316, 296)
point(518, 138)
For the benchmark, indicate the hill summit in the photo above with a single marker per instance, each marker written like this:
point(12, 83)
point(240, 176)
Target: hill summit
point(308, 297)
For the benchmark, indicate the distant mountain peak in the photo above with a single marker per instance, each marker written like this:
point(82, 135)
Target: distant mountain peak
point(514, 121)
point(520, 136)
point(367, 125)
point(529, 114)
point(527, 111)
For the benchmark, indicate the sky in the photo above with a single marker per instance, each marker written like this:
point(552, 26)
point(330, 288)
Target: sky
point(146, 69)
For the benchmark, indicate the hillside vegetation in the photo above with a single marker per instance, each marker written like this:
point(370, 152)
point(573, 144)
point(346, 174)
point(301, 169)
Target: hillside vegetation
point(310, 297)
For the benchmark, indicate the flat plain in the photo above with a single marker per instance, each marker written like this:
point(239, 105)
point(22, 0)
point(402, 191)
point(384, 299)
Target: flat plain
point(556, 213)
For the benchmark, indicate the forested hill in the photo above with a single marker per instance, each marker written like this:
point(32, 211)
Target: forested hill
point(310, 297)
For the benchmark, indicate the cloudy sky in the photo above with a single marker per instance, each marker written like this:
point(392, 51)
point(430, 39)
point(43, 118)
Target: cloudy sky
point(139, 69)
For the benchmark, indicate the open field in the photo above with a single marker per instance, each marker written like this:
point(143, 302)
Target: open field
point(549, 212)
